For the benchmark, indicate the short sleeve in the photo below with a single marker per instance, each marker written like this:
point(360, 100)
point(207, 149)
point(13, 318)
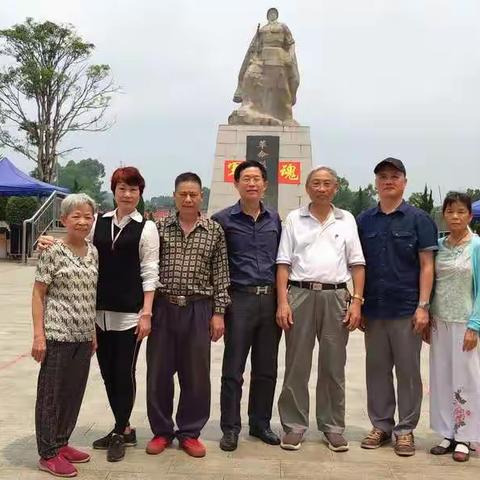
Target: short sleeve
point(285, 248)
point(427, 233)
point(46, 266)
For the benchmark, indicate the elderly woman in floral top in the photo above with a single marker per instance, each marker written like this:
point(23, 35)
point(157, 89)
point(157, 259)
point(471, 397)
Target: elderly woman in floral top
point(454, 352)
point(63, 310)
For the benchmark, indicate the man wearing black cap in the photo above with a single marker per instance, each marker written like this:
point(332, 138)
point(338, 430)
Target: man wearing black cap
point(398, 241)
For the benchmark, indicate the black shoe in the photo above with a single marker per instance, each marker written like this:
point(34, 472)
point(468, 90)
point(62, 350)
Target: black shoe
point(130, 440)
point(116, 448)
point(265, 434)
point(229, 441)
point(102, 443)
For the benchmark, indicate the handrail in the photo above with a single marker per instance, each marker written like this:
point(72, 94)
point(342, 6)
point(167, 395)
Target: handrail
point(45, 216)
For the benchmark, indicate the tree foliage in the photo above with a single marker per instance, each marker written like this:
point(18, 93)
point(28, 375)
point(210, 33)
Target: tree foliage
point(355, 201)
point(84, 176)
point(49, 90)
point(422, 200)
point(19, 209)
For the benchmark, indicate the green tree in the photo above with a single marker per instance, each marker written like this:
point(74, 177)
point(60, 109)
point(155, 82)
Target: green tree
point(422, 200)
point(19, 209)
point(206, 196)
point(3, 205)
point(84, 176)
point(474, 194)
point(48, 90)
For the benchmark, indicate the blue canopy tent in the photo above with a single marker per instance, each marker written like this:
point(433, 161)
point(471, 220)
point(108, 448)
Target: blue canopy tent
point(13, 182)
point(476, 210)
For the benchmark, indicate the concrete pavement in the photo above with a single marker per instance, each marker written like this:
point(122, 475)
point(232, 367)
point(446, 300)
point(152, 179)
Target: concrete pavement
point(252, 460)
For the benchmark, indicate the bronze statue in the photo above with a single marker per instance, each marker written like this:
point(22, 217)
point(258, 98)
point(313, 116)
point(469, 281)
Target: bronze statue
point(269, 78)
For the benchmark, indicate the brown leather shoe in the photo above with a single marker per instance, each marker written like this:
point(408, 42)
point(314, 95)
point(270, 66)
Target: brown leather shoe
point(462, 452)
point(375, 439)
point(292, 441)
point(335, 442)
point(447, 445)
point(404, 445)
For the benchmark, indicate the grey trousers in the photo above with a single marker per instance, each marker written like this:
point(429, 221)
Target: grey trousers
point(392, 343)
point(316, 314)
point(61, 385)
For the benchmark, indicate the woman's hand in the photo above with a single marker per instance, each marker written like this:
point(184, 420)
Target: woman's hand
point(44, 242)
point(39, 348)
point(144, 325)
point(470, 340)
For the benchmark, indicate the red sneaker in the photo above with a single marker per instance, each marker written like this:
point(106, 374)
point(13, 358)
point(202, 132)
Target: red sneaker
point(157, 445)
point(73, 455)
point(58, 466)
point(194, 447)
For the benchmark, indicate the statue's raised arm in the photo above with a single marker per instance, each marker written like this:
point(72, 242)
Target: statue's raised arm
point(268, 80)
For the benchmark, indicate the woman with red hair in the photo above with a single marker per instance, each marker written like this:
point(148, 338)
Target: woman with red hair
point(128, 249)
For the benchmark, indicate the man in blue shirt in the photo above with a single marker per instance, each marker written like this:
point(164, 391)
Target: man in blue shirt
point(252, 232)
point(398, 242)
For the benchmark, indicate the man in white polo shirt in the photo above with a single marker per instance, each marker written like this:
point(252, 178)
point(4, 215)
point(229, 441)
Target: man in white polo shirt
point(319, 253)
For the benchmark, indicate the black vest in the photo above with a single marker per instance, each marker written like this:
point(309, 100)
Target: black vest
point(119, 287)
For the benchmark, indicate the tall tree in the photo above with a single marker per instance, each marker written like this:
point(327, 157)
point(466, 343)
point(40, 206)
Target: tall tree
point(84, 176)
point(423, 200)
point(49, 90)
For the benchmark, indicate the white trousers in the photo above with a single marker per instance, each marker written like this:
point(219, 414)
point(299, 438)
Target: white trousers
point(454, 384)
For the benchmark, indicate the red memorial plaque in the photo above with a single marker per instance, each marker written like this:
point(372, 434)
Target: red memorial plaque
point(229, 169)
point(289, 172)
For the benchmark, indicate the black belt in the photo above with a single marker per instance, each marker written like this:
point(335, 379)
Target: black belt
point(318, 285)
point(182, 300)
point(255, 289)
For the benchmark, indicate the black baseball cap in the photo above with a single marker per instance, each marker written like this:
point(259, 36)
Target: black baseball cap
point(394, 162)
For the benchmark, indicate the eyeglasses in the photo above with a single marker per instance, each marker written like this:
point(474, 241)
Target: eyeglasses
point(247, 180)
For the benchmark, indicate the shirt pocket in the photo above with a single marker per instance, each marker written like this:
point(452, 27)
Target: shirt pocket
point(371, 246)
point(405, 245)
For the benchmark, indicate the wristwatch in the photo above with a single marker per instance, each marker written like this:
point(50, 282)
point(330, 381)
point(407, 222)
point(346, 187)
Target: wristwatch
point(424, 305)
point(359, 297)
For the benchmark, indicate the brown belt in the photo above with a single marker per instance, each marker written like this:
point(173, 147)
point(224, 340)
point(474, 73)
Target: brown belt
point(183, 300)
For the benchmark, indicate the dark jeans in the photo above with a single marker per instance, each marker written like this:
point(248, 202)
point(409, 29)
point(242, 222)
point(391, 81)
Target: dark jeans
point(117, 354)
point(249, 324)
point(179, 343)
point(61, 385)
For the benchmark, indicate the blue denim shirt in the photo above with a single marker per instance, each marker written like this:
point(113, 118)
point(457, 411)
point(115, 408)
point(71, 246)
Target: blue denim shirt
point(391, 244)
point(252, 245)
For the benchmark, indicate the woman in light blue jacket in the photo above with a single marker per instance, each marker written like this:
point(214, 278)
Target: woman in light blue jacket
point(454, 351)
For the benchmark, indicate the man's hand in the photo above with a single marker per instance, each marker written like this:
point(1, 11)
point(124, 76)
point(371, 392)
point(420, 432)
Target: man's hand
point(217, 327)
point(44, 242)
point(94, 344)
point(470, 340)
point(144, 326)
point(354, 315)
point(284, 316)
point(420, 320)
point(39, 348)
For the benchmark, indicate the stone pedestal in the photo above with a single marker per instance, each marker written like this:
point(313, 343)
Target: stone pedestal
point(287, 187)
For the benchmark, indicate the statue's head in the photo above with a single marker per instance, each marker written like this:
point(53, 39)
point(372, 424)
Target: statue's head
point(272, 14)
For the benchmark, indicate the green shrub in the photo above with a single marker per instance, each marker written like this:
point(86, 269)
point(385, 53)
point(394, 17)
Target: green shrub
point(3, 204)
point(19, 209)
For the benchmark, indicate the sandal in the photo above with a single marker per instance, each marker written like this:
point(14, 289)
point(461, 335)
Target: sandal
point(447, 445)
point(462, 452)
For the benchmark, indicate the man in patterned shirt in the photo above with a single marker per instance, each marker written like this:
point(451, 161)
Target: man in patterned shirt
point(188, 313)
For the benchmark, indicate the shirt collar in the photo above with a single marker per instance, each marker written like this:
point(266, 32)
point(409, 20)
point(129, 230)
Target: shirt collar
point(337, 212)
point(135, 215)
point(237, 209)
point(401, 208)
point(172, 219)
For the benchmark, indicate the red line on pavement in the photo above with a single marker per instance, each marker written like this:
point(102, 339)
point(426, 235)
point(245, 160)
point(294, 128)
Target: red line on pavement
point(14, 361)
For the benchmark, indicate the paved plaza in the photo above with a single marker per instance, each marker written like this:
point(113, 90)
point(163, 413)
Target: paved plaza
point(252, 460)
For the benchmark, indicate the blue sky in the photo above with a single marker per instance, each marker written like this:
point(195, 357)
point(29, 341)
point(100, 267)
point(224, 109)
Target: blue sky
point(378, 78)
